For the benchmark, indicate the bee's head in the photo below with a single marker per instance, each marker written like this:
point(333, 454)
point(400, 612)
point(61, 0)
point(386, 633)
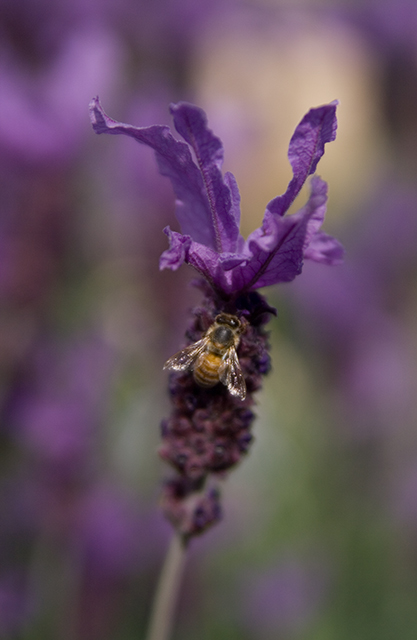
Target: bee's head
point(228, 319)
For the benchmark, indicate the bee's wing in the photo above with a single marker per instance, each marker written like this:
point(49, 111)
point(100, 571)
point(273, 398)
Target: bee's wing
point(231, 374)
point(185, 359)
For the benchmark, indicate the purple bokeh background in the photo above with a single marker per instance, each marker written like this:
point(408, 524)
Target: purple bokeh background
point(321, 529)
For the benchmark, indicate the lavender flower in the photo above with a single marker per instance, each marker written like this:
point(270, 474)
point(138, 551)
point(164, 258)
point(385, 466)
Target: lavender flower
point(209, 428)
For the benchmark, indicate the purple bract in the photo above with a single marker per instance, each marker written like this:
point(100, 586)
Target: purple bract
point(207, 205)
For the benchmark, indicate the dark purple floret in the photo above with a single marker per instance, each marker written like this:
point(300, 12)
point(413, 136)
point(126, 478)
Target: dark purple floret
point(189, 507)
point(209, 436)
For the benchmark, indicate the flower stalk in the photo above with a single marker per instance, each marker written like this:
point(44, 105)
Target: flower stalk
point(168, 588)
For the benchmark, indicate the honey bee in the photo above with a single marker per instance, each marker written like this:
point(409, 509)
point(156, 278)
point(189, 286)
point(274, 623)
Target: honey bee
point(214, 359)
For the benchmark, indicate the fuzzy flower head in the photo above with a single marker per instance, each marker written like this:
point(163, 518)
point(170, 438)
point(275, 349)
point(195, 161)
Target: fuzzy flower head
point(208, 202)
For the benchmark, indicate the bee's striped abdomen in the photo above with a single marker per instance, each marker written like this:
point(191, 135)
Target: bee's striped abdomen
point(206, 370)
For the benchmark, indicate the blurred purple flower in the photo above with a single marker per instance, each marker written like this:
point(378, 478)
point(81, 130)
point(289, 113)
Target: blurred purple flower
point(391, 23)
point(284, 598)
point(208, 202)
point(352, 315)
point(115, 535)
point(56, 407)
point(42, 119)
point(385, 250)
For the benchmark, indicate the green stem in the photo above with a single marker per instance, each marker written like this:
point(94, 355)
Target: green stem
point(163, 610)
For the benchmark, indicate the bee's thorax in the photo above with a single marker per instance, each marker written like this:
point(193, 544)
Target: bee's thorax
point(222, 336)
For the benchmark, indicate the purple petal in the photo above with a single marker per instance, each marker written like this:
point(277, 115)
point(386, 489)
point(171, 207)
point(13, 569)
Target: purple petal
point(276, 250)
point(230, 180)
point(203, 259)
point(276, 253)
point(319, 246)
point(191, 123)
point(207, 263)
point(306, 148)
point(324, 248)
point(174, 160)
point(177, 253)
point(230, 261)
point(318, 202)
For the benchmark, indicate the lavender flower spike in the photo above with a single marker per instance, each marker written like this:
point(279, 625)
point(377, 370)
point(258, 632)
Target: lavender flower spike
point(207, 205)
point(212, 383)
